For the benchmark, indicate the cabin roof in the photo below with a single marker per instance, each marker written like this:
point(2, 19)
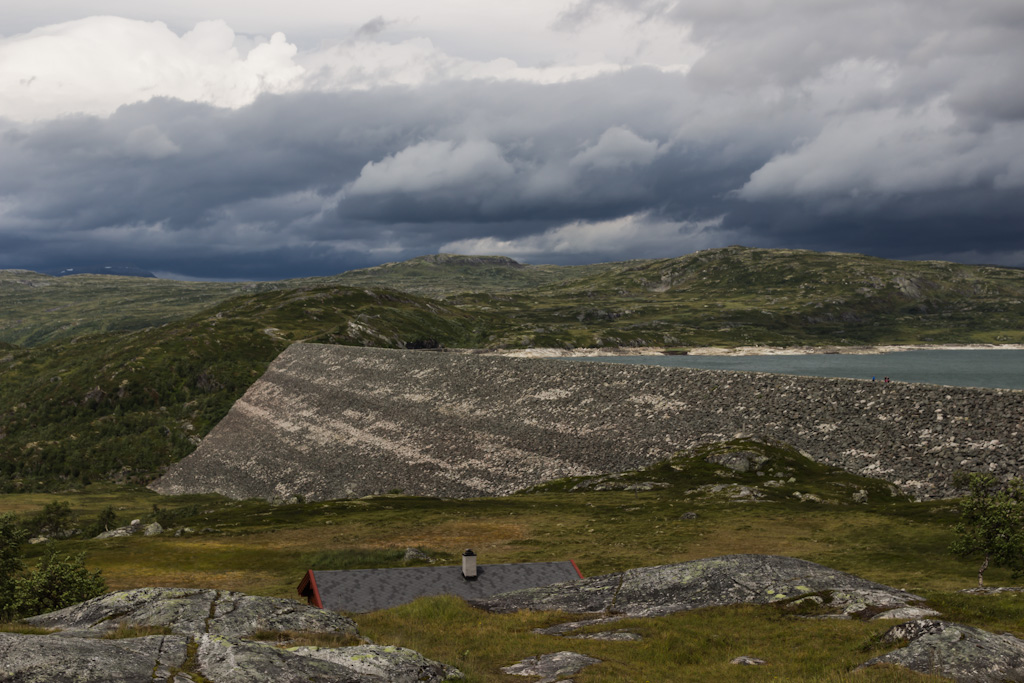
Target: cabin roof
point(367, 590)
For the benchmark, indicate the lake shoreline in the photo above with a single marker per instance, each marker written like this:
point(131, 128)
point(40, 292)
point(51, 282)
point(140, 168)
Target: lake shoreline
point(748, 350)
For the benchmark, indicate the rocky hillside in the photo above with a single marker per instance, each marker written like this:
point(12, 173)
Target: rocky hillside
point(330, 422)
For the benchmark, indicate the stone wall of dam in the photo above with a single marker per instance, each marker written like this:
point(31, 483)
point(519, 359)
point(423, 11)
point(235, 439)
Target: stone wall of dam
point(329, 422)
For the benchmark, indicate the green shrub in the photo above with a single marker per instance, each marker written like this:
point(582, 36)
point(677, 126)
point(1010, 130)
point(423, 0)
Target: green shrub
point(54, 520)
point(11, 538)
point(55, 583)
point(106, 521)
point(992, 523)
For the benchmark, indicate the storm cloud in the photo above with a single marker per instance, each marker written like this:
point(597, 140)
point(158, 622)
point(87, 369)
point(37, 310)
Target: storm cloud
point(892, 128)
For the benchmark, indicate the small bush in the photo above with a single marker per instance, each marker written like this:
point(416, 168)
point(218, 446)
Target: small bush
point(55, 583)
point(992, 524)
point(168, 518)
point(55, 520)
point(106, 521)
point(11, 538)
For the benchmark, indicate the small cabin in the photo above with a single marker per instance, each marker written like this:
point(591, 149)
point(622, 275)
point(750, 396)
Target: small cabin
point(368, 590)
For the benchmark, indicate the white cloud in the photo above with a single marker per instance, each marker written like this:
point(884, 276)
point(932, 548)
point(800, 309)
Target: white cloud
point(95, 65)
point(617, 148)
point(633, 236)
point(433, 165)
point(893, 151)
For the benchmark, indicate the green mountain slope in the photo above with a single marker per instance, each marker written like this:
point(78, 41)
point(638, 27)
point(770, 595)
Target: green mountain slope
point(121, 406)
point(40, 308)
point(726, 296)
point(441, 275)
point(738, 295)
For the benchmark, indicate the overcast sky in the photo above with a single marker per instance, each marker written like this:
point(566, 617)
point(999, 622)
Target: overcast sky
point(261, 140)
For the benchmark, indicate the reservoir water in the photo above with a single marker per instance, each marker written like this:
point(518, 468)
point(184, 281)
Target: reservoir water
point(993, 368)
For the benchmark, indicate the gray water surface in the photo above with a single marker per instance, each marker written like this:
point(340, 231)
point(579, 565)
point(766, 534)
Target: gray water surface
point(993, 369)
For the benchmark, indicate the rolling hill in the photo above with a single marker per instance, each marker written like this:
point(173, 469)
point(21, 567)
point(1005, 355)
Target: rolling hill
point(117, 378)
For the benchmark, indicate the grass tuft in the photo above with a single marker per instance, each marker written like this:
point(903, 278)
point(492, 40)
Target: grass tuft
point(129, 630)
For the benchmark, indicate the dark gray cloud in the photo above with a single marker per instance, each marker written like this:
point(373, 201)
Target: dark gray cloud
point(893, 128)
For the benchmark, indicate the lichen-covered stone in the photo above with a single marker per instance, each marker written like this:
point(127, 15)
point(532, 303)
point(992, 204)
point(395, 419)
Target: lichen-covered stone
point(738, 461)
point(551, 667)
point(192, 610)
point(905, 613)
point(44, 659)
point(717, 581)
point(962, 653)
point(384, 663)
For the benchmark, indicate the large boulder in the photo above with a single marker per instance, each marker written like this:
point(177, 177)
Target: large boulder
point(185, 659)
point(962, 653)
point(192, 610)
point(711, 582)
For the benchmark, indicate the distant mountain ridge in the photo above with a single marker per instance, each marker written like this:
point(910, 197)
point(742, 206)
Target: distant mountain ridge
point(733, 295)
point(127, 271)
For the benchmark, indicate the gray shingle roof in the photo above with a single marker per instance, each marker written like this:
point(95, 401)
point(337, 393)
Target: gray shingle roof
point(366, 590)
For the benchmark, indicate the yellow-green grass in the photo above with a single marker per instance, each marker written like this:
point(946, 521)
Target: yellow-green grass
point(693, 646)
point(257, 548)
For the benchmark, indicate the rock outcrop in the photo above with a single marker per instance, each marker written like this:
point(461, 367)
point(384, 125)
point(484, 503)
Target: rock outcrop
point(206, 657)
point(329, 422)
point(712, 582)
point(192, 610)
point(962, 653)
point(551, 667)
point(206, 639)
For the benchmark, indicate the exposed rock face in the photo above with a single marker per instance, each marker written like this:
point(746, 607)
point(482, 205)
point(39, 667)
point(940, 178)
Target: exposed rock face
point(727, 580)
point(551, 667)
point(962, 653)
point(32, 659)
point(331, 422)
point(192, 610)
point(742, 461)
point(208, 640)
point(383, 663)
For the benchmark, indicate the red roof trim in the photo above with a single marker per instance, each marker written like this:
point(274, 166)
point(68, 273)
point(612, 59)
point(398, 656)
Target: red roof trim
point(309, 582)
point(576, 568)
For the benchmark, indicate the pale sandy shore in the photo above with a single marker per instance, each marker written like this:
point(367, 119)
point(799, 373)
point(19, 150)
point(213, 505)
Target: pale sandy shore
point(751, 350)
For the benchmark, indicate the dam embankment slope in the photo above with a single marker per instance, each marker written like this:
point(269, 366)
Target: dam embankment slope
point(329, 422)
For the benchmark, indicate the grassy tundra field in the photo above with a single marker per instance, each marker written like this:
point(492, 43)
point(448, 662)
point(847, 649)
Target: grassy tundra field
point(258, 548)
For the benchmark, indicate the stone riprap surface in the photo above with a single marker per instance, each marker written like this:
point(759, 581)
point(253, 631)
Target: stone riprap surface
point(192, 610)
point(328, 422)
point(712, 582)
point(961, 653)
point(186, 659)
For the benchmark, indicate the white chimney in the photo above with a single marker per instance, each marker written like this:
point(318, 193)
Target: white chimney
point(469, 565)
